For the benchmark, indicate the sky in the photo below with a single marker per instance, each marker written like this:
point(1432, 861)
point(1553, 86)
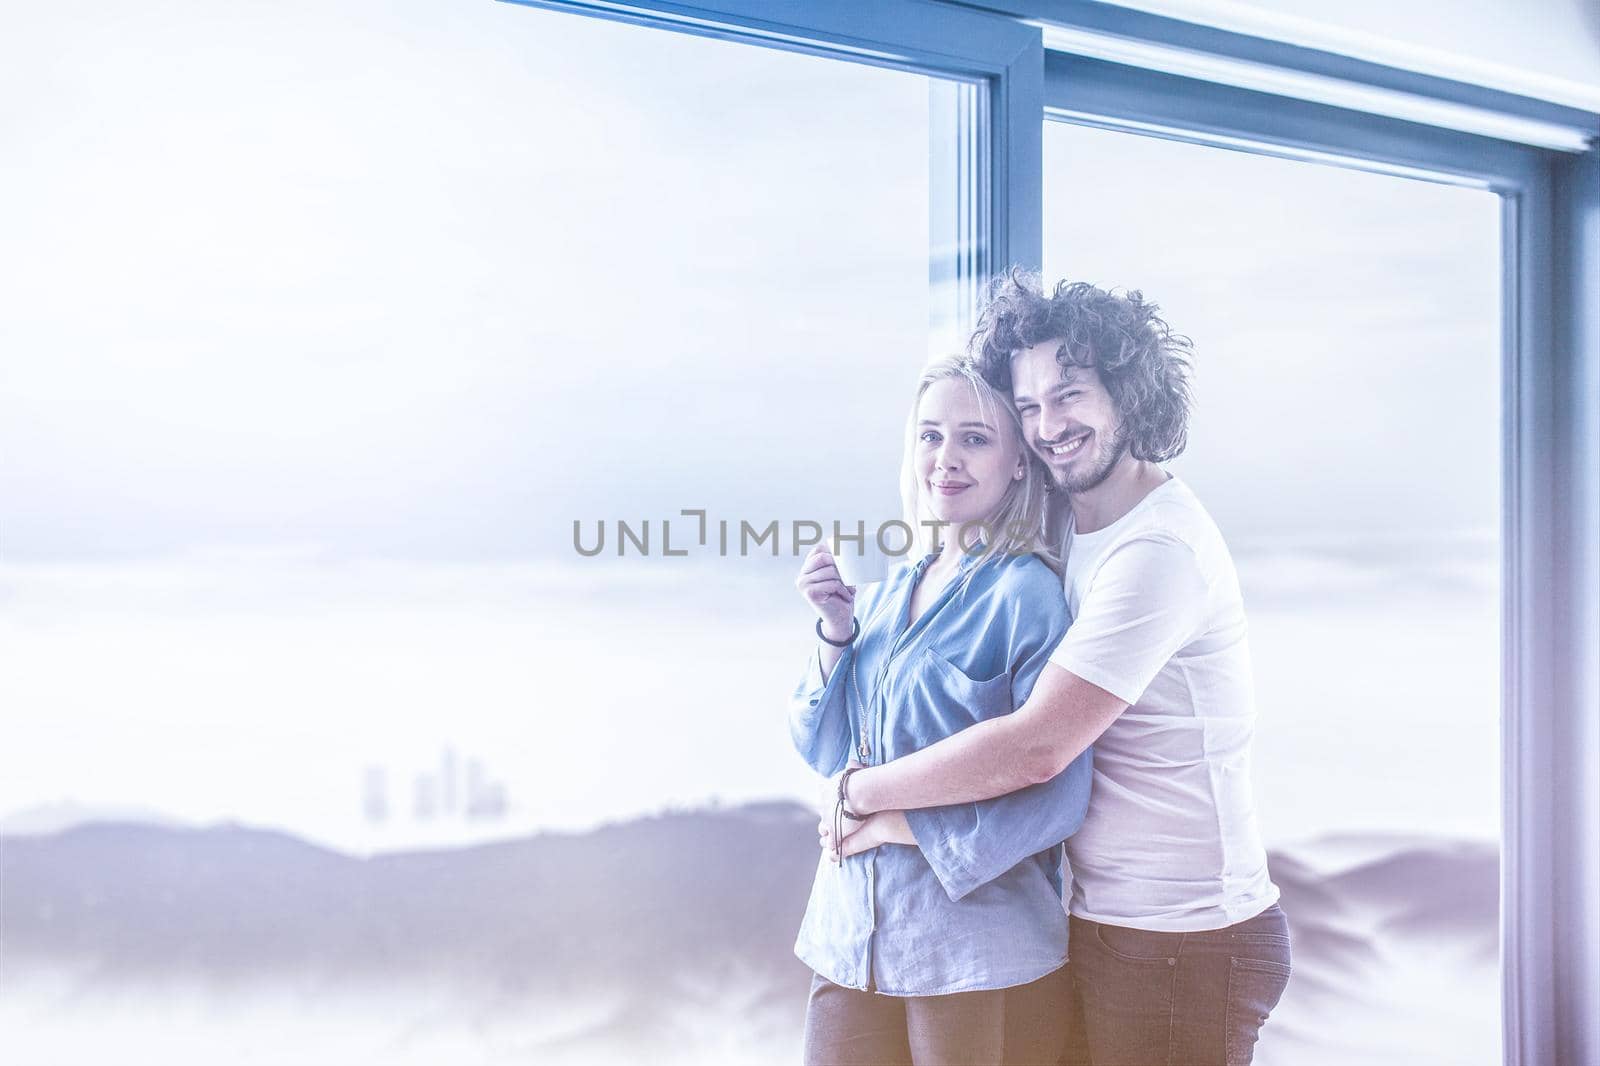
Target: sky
point(431, 282)
point(323, 323)
point(1346, 328)
point(511, 267)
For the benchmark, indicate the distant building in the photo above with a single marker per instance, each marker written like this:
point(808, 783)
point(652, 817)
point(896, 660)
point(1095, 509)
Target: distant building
point(375, 795)
point(453, 791)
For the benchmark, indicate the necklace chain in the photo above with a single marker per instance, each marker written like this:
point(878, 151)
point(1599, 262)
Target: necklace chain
point(863, 748)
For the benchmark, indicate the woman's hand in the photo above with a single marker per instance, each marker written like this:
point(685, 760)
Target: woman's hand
point(828, 595)
point(885, 827)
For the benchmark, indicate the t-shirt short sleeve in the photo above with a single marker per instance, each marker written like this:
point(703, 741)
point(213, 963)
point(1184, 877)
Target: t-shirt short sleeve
point(1146, 600)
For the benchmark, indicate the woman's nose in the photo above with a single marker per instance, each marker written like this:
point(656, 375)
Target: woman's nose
point(945, 458)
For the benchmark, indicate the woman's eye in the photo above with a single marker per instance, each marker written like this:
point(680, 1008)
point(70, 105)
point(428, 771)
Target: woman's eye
point(929, 437)
point(977, 440)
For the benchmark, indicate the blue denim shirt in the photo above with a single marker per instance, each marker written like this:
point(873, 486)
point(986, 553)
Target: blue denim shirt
point(977, 903)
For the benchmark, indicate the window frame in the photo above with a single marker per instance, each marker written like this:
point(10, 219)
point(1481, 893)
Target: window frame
point(1550, 735)
point(922, 36)
point(1549, 524)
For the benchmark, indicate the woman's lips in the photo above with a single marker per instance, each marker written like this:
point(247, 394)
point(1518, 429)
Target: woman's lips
point(949, 488)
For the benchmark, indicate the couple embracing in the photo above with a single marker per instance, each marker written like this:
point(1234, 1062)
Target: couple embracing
point(972, 722)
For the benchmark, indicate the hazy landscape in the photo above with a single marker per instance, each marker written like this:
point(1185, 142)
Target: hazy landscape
point(210, 890)
point(662, 939)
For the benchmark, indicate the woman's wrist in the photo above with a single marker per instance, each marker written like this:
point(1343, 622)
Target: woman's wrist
point(837, 633)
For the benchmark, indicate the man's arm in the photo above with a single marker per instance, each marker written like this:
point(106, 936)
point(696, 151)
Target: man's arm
point(1061, 718)
point(1148, 599)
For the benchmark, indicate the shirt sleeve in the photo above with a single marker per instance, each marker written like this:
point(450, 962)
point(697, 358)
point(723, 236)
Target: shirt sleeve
point(819, 714)
point(1147, 599)
point(971, 844)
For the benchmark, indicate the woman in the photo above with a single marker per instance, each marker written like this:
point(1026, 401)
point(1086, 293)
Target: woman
point(938, 935)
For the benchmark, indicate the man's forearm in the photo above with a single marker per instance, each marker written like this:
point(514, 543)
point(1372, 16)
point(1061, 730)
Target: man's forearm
point(982, 761)
point(1062, 716)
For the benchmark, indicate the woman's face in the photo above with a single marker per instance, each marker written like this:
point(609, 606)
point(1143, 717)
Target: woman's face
point(966, 457)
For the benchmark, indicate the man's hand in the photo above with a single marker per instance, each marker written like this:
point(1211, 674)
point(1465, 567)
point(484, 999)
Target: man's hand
point(885, 827)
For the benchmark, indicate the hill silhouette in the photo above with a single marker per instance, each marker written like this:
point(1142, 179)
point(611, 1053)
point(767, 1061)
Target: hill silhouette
point(612, 945)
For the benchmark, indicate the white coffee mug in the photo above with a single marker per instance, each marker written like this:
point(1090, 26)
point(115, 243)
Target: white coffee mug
point(861, 563)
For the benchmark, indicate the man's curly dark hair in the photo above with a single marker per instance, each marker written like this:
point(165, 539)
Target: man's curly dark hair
point(1146, 367)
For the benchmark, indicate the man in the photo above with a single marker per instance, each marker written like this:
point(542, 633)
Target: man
point(1178, 948)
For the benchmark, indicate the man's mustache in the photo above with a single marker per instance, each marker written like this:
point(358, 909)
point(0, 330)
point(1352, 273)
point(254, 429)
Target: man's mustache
point(1042, 443)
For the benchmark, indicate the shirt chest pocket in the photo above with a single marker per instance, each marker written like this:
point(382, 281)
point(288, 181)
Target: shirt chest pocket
point(943, 700)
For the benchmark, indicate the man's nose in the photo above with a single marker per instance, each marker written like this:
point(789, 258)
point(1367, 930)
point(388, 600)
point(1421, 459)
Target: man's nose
point(1052, 425)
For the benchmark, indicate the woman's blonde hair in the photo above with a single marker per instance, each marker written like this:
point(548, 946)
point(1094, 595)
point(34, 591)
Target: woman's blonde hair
point(1017, 524)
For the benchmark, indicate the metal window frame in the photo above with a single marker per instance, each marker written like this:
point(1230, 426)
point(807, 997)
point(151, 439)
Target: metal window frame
point(925, 36)
point(1248, 93)
point(1550, 701)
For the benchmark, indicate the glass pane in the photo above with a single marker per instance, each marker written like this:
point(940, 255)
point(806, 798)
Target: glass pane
point(1347, 440)
point(324, 330)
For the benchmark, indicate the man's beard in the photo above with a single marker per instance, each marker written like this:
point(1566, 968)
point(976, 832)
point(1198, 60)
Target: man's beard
point(1106, 457)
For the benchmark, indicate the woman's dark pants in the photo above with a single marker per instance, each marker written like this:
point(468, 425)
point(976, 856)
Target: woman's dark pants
point(1025, 1025)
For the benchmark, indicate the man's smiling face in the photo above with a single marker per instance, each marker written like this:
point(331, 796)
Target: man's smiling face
point(1068, 417)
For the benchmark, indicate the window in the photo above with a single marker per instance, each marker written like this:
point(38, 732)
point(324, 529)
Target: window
point(1532, 156)
point(1346, 439)
point(360, 361)
point(325, 326)
point(307, 404)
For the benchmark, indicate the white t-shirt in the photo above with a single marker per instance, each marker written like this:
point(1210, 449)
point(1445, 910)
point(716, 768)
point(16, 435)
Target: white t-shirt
point(1170, 842)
